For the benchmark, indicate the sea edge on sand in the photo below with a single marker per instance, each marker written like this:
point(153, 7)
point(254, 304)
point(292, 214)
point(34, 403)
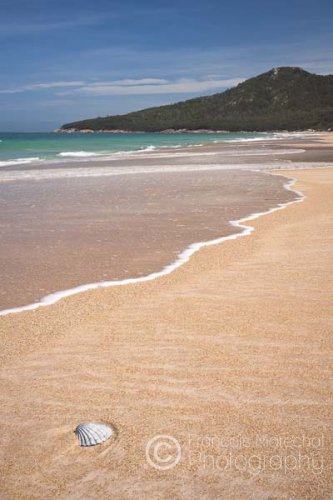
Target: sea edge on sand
point(181, 259)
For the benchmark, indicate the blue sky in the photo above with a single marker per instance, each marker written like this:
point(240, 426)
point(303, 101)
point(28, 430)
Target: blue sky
point(64, 60)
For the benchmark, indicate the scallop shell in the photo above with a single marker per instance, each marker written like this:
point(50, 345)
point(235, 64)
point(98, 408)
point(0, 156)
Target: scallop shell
point(90, 433)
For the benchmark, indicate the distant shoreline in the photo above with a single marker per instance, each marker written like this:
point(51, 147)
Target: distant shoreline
point(182, 131)
point(282, 99)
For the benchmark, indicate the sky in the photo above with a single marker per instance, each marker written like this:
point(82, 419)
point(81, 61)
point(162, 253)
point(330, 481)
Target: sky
point(66, 60)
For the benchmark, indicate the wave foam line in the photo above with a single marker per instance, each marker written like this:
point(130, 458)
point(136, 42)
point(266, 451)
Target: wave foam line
point(182, 258)
point(19, 161)
point(78, 154)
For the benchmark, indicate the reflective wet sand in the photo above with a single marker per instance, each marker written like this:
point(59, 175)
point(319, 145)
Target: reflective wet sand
point(58, 234)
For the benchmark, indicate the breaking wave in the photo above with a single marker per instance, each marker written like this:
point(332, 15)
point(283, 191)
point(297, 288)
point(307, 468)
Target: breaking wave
point(19, 161)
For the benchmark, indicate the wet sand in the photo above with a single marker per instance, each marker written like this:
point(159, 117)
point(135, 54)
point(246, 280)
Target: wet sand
point(58, 234)
point(68, 224)
point(230, 355)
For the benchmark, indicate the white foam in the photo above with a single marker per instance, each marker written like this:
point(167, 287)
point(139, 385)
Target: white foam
point(148, 148)
point(104, 154)
point(274, 136)
point(176, 146)
point(261, 139)
point(19, 161)
point(182, 258)
point(78, 154)
point(249, 139)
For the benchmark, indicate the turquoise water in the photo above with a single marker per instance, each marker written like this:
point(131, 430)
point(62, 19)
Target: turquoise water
point(21, 148)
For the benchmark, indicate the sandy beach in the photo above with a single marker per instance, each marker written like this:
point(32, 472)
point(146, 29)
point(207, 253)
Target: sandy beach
point(229, 355)
point(166, 244)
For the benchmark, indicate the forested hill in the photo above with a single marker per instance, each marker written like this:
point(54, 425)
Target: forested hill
point(281, 99)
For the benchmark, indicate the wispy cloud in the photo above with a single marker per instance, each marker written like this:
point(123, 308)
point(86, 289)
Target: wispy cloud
point(151, 86)
point(19, 28)
point(128, 86)
point(131, 82)
point(41, 86)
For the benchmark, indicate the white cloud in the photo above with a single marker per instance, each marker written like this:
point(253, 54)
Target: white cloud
point(41, 86)
point(52, 85)
point(151, 86)
point(142, 81)
point(140, 86)
point(19, 28)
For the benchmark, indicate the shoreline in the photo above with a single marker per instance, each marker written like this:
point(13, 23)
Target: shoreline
point(181, 259)
point(34, 283)
point(184, 131)
point(308, 139)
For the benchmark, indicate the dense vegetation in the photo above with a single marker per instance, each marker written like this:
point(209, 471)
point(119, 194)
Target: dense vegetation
point(281, 99)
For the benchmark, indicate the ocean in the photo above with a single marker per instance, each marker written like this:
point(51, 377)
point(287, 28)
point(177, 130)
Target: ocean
point(27, 148)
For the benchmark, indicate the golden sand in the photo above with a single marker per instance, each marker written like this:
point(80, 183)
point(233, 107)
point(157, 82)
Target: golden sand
point(229, 354)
